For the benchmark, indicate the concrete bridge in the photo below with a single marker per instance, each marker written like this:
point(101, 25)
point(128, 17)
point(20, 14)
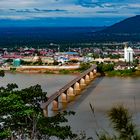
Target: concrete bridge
point(70, 90)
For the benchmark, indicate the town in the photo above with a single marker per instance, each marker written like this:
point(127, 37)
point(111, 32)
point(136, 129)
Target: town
point(123, 56)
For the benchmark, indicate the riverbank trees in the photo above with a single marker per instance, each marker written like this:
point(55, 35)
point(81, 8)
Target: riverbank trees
point(21, 116)
point(108, 70)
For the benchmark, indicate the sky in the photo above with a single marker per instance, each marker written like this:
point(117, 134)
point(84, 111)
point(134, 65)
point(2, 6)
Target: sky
point(66, 12)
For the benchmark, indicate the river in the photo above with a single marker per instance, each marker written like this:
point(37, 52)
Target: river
point(103, 93)
point(48, 82)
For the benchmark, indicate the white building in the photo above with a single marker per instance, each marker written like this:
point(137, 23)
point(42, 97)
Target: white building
point(128, 53)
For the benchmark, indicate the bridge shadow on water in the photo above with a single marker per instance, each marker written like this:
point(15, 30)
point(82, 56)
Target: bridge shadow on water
point(89, 89)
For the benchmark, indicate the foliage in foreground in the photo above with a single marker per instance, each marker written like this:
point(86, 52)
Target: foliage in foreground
point(21, 116)
point(122, 124)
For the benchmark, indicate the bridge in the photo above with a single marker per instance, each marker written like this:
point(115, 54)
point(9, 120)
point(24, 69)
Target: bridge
point(70, 90)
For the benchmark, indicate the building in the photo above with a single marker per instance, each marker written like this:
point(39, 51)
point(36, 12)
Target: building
point(128, 53)
point(16, 62)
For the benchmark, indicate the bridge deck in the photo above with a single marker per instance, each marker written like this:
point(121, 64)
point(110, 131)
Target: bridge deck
point(63, 89)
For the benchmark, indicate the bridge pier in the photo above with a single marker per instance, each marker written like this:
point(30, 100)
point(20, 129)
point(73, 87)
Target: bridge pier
point(70, 94)
point(45, 111)
point(87, 79)
point(82, 83)
point(55, 105)
point(94, 72)
point(64, 98)
point(91, 76)
point(76, 88)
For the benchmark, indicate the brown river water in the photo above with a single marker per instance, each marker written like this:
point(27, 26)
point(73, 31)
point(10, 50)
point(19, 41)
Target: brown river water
point(103, 93)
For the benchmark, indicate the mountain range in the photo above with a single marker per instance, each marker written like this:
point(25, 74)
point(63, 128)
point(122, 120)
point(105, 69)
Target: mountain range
point(126, 30)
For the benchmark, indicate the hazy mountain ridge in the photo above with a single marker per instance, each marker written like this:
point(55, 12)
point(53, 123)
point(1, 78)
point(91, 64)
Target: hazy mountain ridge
point(126, 30)
point(130, 25)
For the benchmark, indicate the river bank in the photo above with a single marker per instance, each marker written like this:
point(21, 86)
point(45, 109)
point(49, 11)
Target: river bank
point(54, 72)
point(72, 69)
point(75, 70)
point(123, 73)
point(116, 73)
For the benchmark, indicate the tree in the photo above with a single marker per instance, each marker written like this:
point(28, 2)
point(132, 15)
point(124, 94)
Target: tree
point(84, 66)
point(2, 74)
point(105, 67)
point(122, 124)
point(21, 116)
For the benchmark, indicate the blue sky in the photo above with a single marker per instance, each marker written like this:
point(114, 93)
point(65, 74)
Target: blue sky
point(66, 12)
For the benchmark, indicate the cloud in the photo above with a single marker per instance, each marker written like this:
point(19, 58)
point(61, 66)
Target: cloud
point(106, 12)
point(89, 3)
point(24, 11)
point(49, 10)
point(133, 6)
point(30, 9)
point(36, 10)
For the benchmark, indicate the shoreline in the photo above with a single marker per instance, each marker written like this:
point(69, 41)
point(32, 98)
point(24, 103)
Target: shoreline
point(76, 72)
point(123, 74)
point(71, 69)
point(45, 72)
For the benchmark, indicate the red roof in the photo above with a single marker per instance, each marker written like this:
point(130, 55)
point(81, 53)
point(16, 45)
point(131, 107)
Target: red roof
point(13, 56)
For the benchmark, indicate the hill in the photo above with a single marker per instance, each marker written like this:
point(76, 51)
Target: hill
point(126, 30)
point(129, 25)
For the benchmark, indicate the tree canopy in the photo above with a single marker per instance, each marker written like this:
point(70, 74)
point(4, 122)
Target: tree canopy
point(22, 118)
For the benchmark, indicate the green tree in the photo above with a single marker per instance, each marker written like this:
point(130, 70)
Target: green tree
point(114, 56)
point(84, 66)
point(21, 116)
point(9, 60)
point(2, 74)
point(95, 55)
point(101, 67)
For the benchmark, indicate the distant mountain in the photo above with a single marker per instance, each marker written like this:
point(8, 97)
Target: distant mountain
point(129, 25)
point(126, 30)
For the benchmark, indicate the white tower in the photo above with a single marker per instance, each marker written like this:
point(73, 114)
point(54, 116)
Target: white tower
point(128, 53)
point(125, 51)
